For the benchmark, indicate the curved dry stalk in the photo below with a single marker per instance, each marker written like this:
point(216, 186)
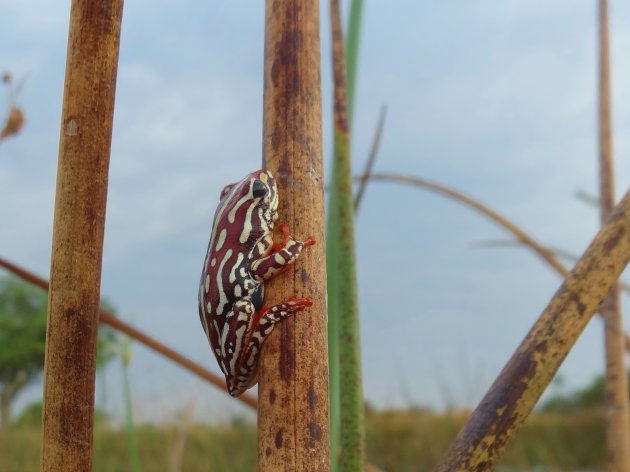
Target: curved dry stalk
point(545, 253)
point(369, 165)
point(513, 395)
point(108, 318)
point(520, 235)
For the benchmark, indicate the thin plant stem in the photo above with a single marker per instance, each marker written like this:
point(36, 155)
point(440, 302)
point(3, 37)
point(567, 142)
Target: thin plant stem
point(125, 360)
point(369, 165)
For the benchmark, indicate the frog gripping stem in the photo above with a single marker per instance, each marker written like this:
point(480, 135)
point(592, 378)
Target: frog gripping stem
point(241, 256)
point(281, 256)
point(282, 310)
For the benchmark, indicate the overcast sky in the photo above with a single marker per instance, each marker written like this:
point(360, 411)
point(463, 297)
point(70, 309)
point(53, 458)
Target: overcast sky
point(497, 99)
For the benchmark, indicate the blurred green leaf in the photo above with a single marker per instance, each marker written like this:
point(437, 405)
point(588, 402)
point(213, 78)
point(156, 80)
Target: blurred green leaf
point(23, 310)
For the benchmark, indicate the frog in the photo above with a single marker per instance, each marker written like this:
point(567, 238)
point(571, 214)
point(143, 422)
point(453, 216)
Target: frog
point(240, 258)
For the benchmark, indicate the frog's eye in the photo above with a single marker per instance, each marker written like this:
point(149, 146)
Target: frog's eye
point(259, 189)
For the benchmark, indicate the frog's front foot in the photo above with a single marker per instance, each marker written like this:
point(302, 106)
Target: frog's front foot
point(310, 241)
point(288, 240)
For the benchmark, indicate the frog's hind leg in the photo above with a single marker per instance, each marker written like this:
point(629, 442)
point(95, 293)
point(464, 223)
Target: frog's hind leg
point(232, 342)
point(263, 323)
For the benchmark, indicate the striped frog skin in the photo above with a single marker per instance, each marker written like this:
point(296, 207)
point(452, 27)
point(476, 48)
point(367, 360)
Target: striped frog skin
point(241, 256)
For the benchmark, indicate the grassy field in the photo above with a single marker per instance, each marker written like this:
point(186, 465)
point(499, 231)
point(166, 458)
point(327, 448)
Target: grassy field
point(396, 441)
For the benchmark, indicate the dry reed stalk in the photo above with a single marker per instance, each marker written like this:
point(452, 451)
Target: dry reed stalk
point(74, 296)
point(293, 387)
point(513, 395)
point(617, 413)
point(177, 452)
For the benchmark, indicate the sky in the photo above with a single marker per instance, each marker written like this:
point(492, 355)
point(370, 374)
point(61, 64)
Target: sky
point(496, 99)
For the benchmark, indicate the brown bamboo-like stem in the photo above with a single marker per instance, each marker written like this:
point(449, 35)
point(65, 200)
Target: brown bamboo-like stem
point(293, 383)
point(513, 395)
point(108, 318)
point(75, 274)
point(547, 254)
point(617, 412)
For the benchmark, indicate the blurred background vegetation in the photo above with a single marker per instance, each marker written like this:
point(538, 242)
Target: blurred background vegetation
point(23, 340)
point(566, 433)
point(397, 440)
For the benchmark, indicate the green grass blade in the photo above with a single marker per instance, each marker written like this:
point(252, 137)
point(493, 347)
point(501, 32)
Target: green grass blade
point(332, 236)
point(346, 397)
point(131, 430)
point(352, 53)
point(350, 387)
point(332, 250)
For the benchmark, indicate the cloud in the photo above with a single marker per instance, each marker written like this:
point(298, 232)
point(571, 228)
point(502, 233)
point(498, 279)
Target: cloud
point(178, 139)
point(40, 17)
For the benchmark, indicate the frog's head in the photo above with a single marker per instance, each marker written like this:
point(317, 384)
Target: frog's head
point(251, 203)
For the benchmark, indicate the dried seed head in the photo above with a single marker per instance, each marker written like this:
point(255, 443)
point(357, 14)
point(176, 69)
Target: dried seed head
point(14, 123)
